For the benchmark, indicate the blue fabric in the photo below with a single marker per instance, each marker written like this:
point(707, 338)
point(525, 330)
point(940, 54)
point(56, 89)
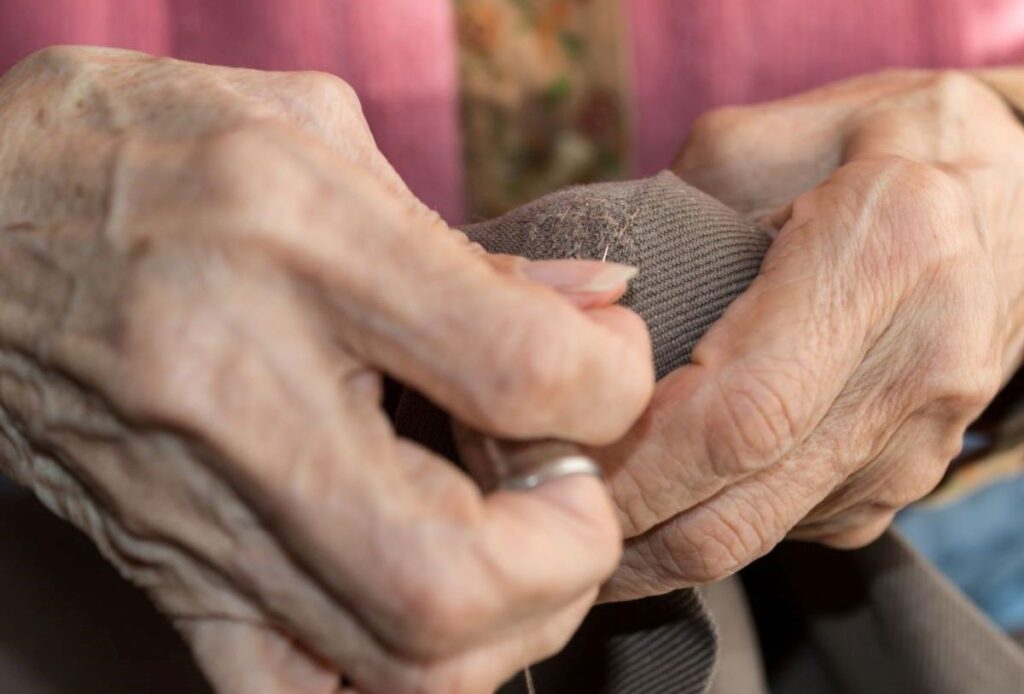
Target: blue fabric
point(978, 542)
point(9, 488)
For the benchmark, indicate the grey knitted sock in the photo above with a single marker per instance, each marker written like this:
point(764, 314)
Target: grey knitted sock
point(901, 627)
point(880, 618)
point(695, 255)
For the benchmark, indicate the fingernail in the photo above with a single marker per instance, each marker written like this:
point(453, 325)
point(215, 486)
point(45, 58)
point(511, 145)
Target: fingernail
point(581, 276)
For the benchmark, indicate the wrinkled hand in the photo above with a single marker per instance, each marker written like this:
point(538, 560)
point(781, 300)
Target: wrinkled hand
point(204, 273)
point(887, 314)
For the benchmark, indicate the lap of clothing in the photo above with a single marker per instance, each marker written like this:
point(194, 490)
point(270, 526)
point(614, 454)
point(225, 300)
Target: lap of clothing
point(69, 624)
point(72, 625)
point(872, 620)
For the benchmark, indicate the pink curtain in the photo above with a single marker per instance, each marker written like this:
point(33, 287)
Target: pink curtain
point(692, 55)
point(399, 55)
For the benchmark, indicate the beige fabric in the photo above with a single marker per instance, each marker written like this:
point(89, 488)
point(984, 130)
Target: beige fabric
point(739, 667)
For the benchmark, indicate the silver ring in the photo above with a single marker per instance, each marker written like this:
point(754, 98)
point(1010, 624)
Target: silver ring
point(498, 464)
point(550, 470)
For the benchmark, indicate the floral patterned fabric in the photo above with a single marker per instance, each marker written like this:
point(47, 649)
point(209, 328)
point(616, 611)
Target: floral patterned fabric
point(543, 97)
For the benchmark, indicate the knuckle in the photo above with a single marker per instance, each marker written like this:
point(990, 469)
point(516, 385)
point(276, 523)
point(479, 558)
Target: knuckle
point(712, 548)
point(325, 88)
point(925, 189)
point(718, 122)
point(228, 154)
point(969, 397)
point(925, 474)
point(709, 140)
point(74, 67)
point(989, 383)
point(933, 205)
point(525, 384)
point(715, 559)
point(240, 172)
point(434, 616)
point(947, 447)
point(329, 108)
point(58, 59)
point(955, 392)
point(909, 480)
point(321, 96)
point(751, 423)
point(950, 90)
point(156, 375)
point(927, 213)
point(545, 379)
point(713, 555)
point(172, 348)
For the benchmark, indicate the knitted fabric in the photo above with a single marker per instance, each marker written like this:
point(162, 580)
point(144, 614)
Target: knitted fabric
point(883, 621)
point(694, 255)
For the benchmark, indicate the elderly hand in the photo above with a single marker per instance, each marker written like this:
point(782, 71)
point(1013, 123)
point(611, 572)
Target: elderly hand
point(205, 271)
point(888, 311)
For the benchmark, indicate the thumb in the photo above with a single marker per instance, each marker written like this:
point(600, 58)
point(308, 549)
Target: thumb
point(502, 349)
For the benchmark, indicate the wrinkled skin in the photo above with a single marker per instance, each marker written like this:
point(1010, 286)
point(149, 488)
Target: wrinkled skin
point(888, 312)
point(203, 274)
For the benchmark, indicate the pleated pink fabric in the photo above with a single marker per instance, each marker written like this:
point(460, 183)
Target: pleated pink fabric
point(399, 55)
point(687, 55)
point(692, 55)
